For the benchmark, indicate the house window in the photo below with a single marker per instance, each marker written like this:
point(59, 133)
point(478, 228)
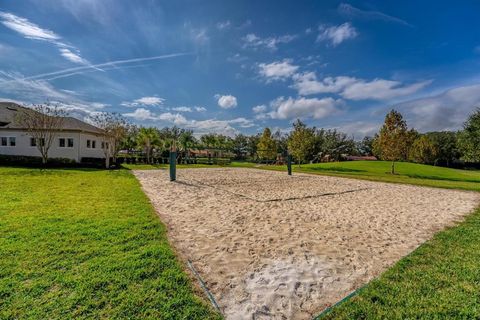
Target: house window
point(33, 142)
point(41, 142)
point(88, 143)
point(13, 141)
point(70, 142)
point(4, 141)
point(104, 145)
point(61, 142)
point(94, 144)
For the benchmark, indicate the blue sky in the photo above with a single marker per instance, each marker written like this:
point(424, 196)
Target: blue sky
point(229, 67)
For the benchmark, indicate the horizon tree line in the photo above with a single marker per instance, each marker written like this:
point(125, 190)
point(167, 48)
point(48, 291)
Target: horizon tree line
point(394, 141)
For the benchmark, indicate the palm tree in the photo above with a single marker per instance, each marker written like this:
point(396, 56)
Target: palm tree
point(186, 141)
point(148, 139)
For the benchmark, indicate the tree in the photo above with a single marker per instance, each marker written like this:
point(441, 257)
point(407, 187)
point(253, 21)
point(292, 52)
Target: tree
point(170, 137)
point(301, 141)
point(365, 147)
point(469, 138)
point(281, 140)
point(114, 128)
point(446, 144)
point(410, 138)
point(186, 142)
point(266, 147)
point(423, 150)
point(129, 143)
point(42, 122)
point(392, 139)
point(148, 139)
point(240, 146)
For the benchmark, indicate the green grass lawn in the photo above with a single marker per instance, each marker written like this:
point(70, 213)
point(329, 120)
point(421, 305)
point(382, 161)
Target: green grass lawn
point(78, 244)
point(409, 173)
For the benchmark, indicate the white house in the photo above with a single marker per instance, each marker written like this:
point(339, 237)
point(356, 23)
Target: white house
point(76, 140)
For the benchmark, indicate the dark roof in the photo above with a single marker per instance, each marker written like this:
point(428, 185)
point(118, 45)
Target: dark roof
point(9, 112)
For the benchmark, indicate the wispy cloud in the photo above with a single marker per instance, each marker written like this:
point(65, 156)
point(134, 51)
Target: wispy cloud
point(251, 40)
point(337, 34)
point(26, 28)
point(222, 25)
point(151, 101)
point(444, 111)
point(353, 88)
point(353, 12)
point(39, 91)
point(79, 70)
point(32, 31)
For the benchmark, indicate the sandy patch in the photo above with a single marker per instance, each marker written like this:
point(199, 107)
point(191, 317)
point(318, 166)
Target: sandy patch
point(271, 246)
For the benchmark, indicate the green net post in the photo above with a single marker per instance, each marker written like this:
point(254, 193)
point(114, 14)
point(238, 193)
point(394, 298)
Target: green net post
point(289, 164)
point(173, 166)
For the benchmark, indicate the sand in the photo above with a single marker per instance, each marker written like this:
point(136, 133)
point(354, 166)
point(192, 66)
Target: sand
point(273, 246)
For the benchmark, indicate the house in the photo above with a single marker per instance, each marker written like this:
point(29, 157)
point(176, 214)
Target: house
point(76, 139)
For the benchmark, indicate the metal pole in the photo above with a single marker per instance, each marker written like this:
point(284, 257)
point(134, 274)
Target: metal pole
point(289, 164)
point(173, 165)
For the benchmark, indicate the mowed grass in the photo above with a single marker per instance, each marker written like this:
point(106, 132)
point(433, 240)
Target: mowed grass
point(408, 173)
point(78, 244)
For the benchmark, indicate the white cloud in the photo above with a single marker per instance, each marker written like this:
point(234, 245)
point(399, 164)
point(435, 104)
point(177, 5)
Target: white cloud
point(26, 28)
point(74, 57)
point(222, 25)
point(259, 109)
point(182, 109)
point(445, 111)
point(151, 101)
point(359, 129)
point(315, 108)
point(200, 109)
point(227, 127)
point(307, 83)
point(174, 118)
point(32, 31)
point(141, 114)
point(278, 70)
point(353, 88)
point(253, 41)
point(337, 34)
point(380, 89)
point(226, 101)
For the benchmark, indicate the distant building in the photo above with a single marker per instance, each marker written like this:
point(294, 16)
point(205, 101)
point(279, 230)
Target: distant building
point(76, 139)
point(360, 158)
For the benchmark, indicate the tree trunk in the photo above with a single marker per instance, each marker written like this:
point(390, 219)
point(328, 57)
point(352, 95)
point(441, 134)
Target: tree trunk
point(393, 167)
point(107, 162)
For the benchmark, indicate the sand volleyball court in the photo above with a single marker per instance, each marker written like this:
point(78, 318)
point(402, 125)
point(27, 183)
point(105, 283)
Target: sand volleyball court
point(273, 246)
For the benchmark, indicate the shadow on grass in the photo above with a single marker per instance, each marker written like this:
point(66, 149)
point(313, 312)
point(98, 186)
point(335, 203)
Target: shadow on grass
point(335, 169)
point(427, 177)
